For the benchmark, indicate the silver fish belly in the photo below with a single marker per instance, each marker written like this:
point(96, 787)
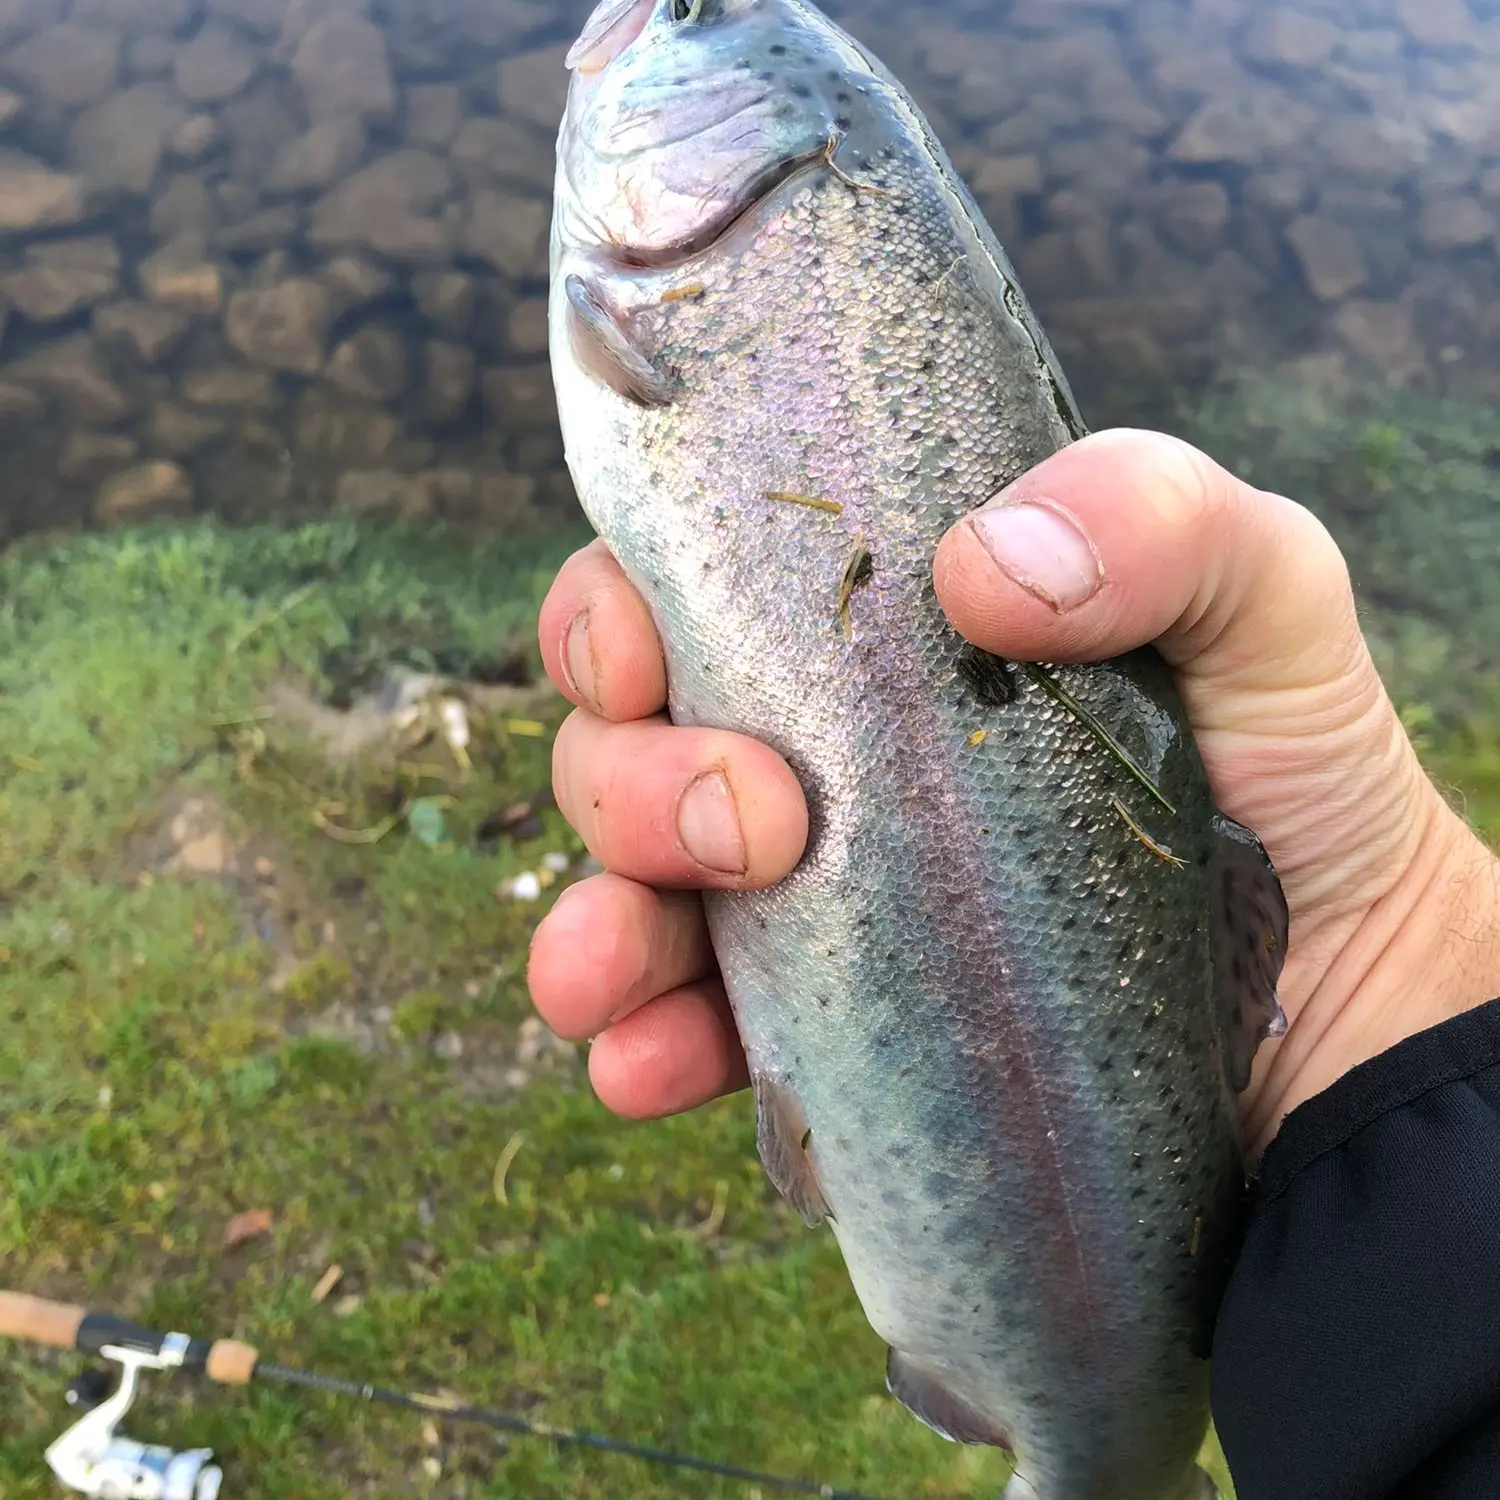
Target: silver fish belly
point(996, 1016)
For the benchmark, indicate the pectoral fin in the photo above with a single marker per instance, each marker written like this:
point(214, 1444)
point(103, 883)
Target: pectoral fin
point(1249, 929)
point(922, 1392)
point(606, 350)
point(782, 1137)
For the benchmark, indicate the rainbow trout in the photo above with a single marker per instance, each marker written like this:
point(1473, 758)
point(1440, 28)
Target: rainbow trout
point(997, 1015)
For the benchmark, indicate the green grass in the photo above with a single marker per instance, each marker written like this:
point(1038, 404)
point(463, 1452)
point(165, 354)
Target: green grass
point(640, 1280)
point(175, 1049)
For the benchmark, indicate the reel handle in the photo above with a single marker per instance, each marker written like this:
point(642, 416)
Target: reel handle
point(59, 1325)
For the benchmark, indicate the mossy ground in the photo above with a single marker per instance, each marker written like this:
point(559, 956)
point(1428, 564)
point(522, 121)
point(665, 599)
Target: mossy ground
point(176, 1048)
point(179, 1046)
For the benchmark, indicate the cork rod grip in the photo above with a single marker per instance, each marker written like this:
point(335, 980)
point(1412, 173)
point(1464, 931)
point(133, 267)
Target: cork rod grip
point(38, 1321)
point(231, 1362)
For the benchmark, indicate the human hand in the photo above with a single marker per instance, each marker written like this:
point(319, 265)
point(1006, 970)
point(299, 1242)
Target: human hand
point(1394, 901)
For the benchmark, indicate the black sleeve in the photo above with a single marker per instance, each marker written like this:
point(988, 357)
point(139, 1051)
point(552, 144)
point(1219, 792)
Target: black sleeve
point(1357, 1353)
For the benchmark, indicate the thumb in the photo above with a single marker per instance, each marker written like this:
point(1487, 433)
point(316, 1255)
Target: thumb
point(1128, 537)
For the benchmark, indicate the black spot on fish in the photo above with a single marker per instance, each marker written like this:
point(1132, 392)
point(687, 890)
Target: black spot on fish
point(843, 122)
point(991, 680)
point(801, 91)
point(777, 50)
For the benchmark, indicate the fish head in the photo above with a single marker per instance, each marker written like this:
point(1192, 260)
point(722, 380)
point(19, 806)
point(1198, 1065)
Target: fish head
point(683, 115)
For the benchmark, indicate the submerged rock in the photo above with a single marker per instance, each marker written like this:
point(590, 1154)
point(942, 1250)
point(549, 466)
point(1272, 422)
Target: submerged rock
point(62, 277)
point(150, 489)
point(285, 327)
point(33, 196)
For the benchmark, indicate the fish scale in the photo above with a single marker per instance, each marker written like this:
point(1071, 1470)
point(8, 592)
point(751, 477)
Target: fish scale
point(990, 1017)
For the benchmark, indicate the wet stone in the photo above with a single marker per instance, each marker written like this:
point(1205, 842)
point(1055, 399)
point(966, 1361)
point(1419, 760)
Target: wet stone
point(487, 150)
point(342, 66)
point(509, 234)
point(91, 455)
point(180, 275)
point(1437, 23)
point(67, 64)
point(520, 397)
point(392, 207)
point(1330, 256)
point(446, 298)
point(215, 66)
point(328, 152)
point(33, 196)
point(526, 327)
point(151, 489)
point(71, 371)
point(447, 382)
point(179, 431)
point(185, 207)
point(1288, 36)
point(19, 404)
point(263, 230)
point(370, 365)
point(119, 143)
point(354, 282)
point(1245, 129)
point(386, 491)
point(334, 428)
point(533, 86)
point(432, 114)
point(230, 385)
point(63, 277)
point(1195, 216)
point(1384, 334)
point(284, 327)
point(195, 138)
point(1455, 223)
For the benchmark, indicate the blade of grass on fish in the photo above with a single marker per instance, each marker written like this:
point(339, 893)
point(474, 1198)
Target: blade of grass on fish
point(1162, 851)
point(856, 571)
point(812, 502)
point(1060, 695)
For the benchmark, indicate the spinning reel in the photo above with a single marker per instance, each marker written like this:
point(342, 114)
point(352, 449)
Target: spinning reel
point(94, 1458)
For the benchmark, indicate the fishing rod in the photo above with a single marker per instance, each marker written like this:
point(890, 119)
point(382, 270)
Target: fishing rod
point(94, 1458)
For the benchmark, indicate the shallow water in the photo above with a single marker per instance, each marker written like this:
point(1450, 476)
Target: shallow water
point(267, 256)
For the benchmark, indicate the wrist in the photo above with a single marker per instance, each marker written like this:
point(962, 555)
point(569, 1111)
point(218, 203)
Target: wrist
point(1426, 950)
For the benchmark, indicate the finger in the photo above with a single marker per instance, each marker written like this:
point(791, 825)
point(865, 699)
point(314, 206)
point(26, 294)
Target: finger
point(598, 642)
point(677, 806)
point(1128, 537)
point(673, 1054)
point(607, 947)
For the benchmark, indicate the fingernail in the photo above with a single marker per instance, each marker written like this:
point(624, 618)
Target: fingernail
point(578, 658)
point(1042, 549)
point(708, 824)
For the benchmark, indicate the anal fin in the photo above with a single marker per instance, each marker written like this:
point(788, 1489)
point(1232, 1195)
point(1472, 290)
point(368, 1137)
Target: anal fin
point(781, 1136)
point(605, 349)
point(922, 1392)
point(1249, 922)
